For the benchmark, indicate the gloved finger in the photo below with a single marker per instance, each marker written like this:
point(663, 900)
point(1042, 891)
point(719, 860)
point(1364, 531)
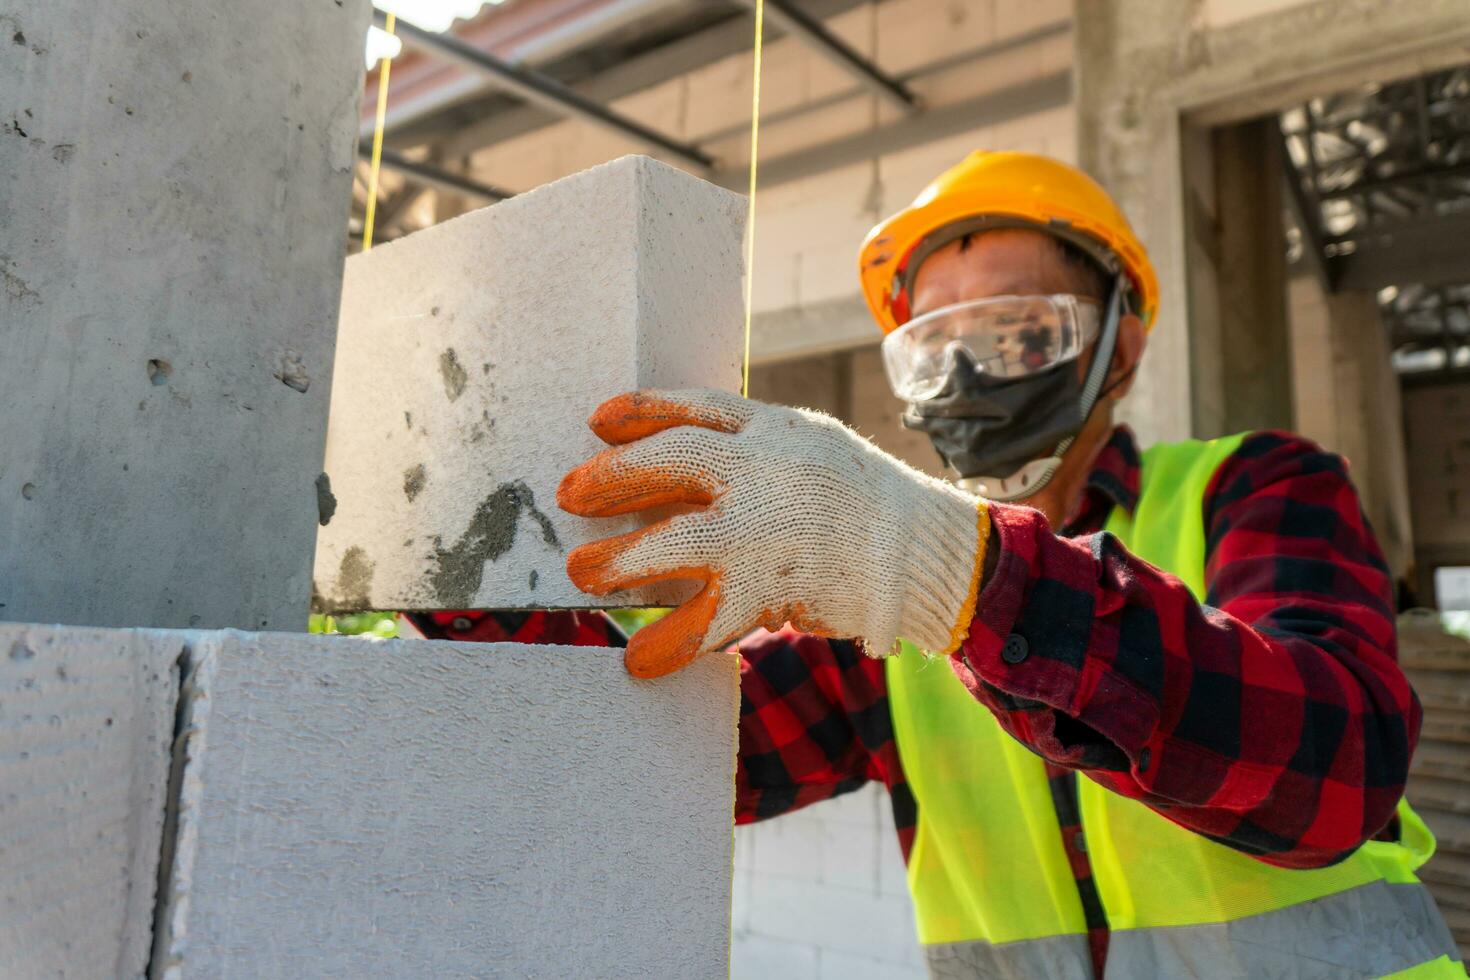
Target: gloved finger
point(679, 547)
point(678, 466)
point(733, 621)
point(674, 641)
point(637, 414)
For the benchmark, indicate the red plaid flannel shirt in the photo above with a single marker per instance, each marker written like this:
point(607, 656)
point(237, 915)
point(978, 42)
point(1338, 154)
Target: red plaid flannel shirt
point(571, 629)
point(1132, 682)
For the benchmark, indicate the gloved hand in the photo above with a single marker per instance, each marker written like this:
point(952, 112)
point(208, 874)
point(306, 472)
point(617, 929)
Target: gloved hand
point(800, 520)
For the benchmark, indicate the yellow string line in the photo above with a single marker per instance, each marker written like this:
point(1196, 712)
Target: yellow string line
point(755, 129)
point(384, 67)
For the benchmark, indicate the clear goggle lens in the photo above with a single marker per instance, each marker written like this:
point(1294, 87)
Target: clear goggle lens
point(1004, 336)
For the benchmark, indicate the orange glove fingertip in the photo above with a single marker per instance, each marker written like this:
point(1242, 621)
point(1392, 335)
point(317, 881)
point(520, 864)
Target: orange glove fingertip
point(622, 419)
point(675, 641)
point(571, 493)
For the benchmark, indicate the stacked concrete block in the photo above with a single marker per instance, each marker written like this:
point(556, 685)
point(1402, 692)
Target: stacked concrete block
point(86, 726)
point(174, 183)
point(349, 808)
point(469, 358)
point(409, 808)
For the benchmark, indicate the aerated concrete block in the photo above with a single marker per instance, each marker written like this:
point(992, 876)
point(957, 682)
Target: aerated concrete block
point(351, 808)
point(175, 179)
point(86, 726)
point(469, 357)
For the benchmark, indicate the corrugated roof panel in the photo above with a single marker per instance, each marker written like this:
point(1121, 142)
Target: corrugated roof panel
point(431, 15)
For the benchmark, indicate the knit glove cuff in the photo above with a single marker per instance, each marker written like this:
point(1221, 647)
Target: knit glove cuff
point(943, 557)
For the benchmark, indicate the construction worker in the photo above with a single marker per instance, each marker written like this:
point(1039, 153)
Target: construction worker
point(1171, 738)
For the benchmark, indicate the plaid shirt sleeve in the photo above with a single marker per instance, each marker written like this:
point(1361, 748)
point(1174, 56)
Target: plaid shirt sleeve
point(1272, 718)
point(814, 723)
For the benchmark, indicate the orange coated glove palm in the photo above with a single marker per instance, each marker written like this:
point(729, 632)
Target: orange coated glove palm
point(799, 519)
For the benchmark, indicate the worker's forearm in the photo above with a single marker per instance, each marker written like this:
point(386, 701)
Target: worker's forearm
point(814, 724)
point(1234, 722)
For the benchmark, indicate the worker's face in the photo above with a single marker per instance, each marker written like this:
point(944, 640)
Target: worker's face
point(990, 428)
point(1020, 262)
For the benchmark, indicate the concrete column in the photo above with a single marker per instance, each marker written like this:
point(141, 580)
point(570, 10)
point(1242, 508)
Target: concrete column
point(1347, 399)
point(1254, 354)
point(174, 182)
point(1437, 418)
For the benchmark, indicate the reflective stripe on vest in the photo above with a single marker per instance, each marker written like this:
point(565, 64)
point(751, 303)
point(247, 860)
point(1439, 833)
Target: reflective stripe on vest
point(1056, 958)
point(1374, 930)
point(993, 889)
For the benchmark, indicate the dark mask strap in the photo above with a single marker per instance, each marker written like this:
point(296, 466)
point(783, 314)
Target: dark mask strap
point(1107, 345)
point(1097, 370)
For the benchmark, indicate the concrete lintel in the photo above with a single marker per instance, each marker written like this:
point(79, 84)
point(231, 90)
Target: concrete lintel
point(808, 331)
point(1245, 70)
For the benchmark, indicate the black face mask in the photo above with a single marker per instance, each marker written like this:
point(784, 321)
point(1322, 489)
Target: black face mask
point(982, 425)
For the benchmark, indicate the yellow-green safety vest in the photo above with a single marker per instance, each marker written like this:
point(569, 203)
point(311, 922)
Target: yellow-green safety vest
point(994, 894)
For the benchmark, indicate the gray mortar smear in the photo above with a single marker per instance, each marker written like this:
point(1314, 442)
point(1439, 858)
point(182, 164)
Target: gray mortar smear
point(355, 580)
point(458, 572)
point(326, 501)
point(413, 481)
point(453, 373)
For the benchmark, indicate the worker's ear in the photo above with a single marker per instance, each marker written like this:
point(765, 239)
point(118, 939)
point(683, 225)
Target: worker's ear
point(1126, 355)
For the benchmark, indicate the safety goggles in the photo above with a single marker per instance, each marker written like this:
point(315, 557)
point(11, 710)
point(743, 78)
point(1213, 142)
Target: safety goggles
point(1003, 336)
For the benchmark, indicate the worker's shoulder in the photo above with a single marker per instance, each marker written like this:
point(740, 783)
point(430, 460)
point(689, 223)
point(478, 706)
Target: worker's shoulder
point(1269, 461)
point(1251, 446)
point(1284, 453)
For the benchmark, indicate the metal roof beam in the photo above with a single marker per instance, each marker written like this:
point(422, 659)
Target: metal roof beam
point(1431, 252)
point(1307, 211)
point(796, 22)
point(1415, 178)
point(431, 176)
point(545, 91)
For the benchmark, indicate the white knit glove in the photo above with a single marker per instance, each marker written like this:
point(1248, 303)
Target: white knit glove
point(799, 520)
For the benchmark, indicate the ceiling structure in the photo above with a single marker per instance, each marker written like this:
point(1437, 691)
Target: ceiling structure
point(519, 66)
point(1380, 182)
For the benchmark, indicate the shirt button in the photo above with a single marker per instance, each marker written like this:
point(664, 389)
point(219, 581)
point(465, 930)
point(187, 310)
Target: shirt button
point(1079, 842)
point(461, 623)
point(1143, 760)
point(1016, 649)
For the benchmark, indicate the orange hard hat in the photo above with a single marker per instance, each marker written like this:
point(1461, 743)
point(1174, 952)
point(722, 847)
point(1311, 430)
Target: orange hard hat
point(1002, 190)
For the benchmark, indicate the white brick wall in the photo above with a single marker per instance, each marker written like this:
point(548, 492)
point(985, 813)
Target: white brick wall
point(820, 894)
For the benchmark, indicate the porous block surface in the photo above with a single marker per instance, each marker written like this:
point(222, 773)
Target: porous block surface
point(352, 808)
point(86, 726)
point(174, 182)
point(469, 358)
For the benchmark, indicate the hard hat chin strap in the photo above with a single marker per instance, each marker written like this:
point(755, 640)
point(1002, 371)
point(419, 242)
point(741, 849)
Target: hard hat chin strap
point(1033, 477)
